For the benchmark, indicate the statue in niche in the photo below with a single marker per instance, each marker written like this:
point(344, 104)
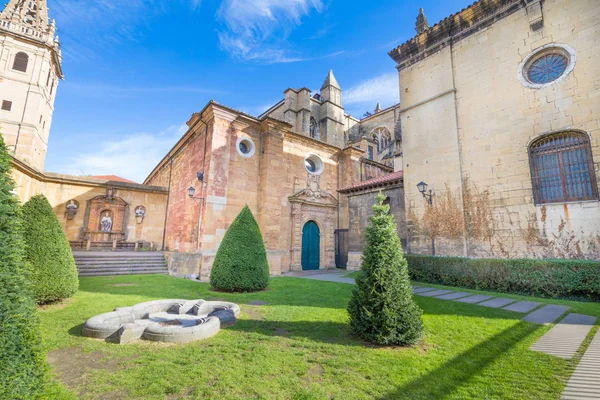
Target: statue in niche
point(106, 223)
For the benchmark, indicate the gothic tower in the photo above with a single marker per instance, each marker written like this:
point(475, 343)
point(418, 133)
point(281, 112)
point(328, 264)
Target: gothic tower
point(332, 112)
point(30, 68)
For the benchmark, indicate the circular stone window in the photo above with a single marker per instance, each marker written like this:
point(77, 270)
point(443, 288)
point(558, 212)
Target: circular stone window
point(245, 147)
point(313, 164)
point(547, 65)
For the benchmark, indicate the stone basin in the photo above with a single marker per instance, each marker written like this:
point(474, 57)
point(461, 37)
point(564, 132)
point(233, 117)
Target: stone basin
point(172, 321)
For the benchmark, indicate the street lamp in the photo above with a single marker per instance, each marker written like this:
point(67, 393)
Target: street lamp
point(191, 192)
point(422, 186)
point(428, 196)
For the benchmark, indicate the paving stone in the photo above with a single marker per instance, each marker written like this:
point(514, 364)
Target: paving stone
point(454, 296)
point(522, 306)
point(565, 338)
point(434, 293)
point(497, 302)
point(546, 314)
point(478, 298)
point(423, 289)
point(585, 382)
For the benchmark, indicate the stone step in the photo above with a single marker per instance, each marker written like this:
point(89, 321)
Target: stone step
point(131, 262)
point(131, 272)
point(121, 267)
point(118, 257)
point(585, 382)
point(546, 314)
point(565, 338)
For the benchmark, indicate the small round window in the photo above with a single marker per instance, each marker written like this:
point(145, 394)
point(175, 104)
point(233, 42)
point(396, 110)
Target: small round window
point(245, 147)
point(313, 164)
point(547, 65)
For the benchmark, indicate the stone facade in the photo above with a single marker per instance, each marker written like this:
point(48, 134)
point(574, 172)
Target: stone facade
point(468, 117)
point(30, 69)
point(89, 195)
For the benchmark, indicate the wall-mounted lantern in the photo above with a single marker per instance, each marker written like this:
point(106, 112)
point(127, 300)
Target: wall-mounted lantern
point(422, 186)
point(140, 213)
point(72, 207)
point(191, 192)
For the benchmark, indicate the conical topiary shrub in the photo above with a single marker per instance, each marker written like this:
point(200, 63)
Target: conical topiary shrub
point(241, 261)
point(22, 357)
point(48, 251)
point(382, 309)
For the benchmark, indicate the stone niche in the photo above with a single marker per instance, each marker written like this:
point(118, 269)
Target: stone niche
point(106, 218)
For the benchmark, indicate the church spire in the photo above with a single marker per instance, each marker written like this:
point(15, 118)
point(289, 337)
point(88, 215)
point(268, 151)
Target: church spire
point(331, 81)
point(29, 13)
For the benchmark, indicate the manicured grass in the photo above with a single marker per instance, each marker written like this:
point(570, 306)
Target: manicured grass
point(351, 274)
point(297, 347)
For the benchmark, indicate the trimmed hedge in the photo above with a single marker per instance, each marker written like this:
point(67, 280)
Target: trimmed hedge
point(241, 261)
point(22, 356)
point(382, 309)
point(546, 278)
point(49, 253)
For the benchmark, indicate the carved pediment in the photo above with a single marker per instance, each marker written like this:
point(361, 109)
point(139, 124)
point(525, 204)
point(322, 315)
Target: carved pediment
point(313, 194)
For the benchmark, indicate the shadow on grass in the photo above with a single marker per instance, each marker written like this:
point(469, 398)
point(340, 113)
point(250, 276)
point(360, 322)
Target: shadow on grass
point(447, 378)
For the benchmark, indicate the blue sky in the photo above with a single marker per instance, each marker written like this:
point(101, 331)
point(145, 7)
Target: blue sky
point(137, 69)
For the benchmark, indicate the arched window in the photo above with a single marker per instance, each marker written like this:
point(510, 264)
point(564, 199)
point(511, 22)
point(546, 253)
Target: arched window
point(383, 138)
point(562, 168)
point(21, 61)
point(314, 128)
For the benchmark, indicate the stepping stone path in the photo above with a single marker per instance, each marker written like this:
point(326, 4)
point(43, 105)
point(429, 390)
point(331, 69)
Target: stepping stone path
point(522, 306)
point(585, 382)
point(434, 293)
point(546, 314)
point(497, 302)
point(565, 338)
point(474, 299)
point(454, 295)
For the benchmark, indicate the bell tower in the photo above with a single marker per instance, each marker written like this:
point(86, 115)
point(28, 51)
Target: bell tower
point(30, 69)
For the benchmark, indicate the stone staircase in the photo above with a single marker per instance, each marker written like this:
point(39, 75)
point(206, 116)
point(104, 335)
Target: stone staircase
point(106, 263)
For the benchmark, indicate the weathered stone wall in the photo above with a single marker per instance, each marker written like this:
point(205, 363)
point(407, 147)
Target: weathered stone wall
point(60, 189)
point(466, 114)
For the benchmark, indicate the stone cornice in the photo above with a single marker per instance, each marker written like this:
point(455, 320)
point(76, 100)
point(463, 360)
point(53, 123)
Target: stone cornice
point(380, 113)
point(51, 177)
point(458, 26)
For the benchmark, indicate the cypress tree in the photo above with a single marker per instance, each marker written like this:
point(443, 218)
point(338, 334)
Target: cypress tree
point(22, 356)
point(382, 309)
point(241, 261)
point(54, 273)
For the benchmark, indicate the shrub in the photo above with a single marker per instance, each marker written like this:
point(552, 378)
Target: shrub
point(22, 357)
point(382, 309)
point(48, 251)
point(241, 261)
point(546, 278)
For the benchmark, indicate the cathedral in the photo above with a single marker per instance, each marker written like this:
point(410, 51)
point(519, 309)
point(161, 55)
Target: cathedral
point(493, 150)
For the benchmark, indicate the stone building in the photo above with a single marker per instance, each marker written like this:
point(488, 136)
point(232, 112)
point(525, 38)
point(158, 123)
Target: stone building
point(287, 165)
point(30, 69)
point(500, 108)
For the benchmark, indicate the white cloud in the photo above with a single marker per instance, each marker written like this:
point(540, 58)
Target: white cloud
point(382, 89)
point(132, 156)
point(257, 28)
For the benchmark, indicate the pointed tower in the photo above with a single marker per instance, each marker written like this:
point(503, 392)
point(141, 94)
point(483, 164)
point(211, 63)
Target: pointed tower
point(331, 91)
point(30, 69)
point(332, 112)
point(422, 25)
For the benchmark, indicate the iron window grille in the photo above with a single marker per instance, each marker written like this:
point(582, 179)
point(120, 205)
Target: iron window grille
point(562, 169)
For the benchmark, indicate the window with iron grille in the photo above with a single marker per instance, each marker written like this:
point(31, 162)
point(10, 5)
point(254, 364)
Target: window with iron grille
point(562, 168)
point(6, 105)
point(370, 152)
point(21, 61)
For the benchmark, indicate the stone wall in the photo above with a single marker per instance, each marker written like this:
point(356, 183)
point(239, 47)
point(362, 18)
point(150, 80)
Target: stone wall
point(360, 212)
point(467, 115)
point(61, 189)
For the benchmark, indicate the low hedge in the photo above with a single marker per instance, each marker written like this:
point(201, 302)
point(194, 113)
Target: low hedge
point(547, 278)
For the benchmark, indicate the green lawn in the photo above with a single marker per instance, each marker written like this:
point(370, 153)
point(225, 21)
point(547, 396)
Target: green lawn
point(297, 347)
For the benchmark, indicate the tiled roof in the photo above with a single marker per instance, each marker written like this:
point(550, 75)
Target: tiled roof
point(371, 183)
point(112, 178)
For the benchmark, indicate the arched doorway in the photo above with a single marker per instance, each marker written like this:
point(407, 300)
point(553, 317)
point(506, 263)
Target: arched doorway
point(311, 246)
